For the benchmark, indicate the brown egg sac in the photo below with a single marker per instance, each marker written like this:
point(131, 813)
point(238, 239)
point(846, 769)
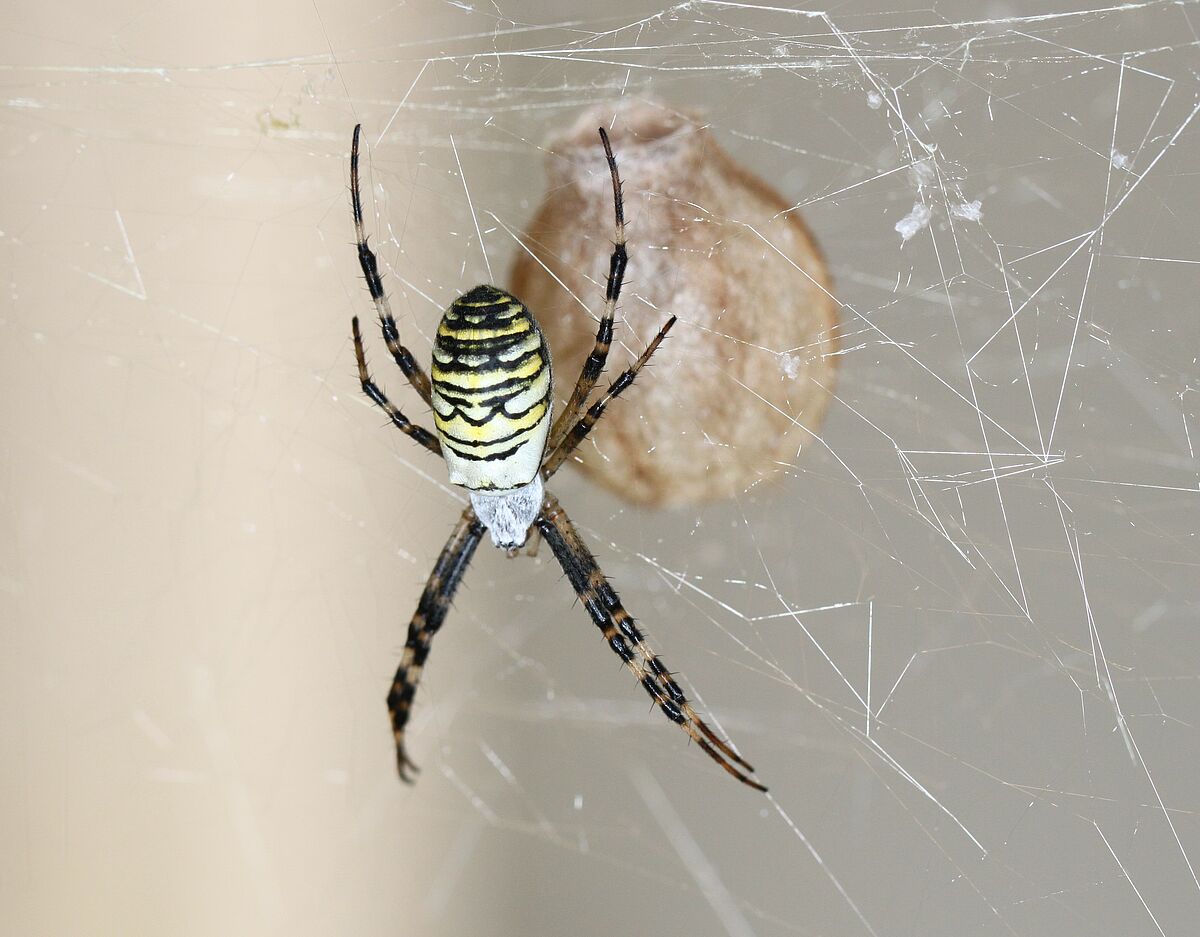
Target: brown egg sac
point(728, 398)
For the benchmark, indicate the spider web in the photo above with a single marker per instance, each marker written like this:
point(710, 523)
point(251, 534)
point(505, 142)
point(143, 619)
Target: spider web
point(957, 636)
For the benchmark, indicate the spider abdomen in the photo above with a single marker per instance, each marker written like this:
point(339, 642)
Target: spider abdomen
point(491, 387)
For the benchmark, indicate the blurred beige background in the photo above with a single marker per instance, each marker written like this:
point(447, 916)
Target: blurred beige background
point(958, 638)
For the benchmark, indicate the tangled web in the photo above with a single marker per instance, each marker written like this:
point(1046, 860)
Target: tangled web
point(957, 635)
point(960, 631)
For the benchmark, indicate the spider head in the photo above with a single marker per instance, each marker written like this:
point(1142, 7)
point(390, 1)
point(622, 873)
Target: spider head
point(508, 515)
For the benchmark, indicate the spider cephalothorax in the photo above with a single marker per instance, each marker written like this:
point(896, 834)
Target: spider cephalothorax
point(491, 396)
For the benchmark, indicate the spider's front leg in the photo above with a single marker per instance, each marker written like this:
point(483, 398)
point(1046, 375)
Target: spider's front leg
point(430, 614)
point(622, 635)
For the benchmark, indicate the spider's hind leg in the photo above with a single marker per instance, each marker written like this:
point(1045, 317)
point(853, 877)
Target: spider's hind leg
point(578, 433)
point(593, 366)
point(372, 390)
point(370, 267)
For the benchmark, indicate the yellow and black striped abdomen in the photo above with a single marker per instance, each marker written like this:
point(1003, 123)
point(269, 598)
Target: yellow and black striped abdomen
point(491, 391)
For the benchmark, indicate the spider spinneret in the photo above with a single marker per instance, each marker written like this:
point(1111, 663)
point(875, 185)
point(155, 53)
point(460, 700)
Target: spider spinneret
point(490, 395)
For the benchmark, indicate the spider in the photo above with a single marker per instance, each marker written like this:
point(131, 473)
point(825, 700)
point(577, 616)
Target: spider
point(492, 407)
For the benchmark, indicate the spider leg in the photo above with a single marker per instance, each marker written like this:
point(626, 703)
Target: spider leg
point(623, 636)
point(371, 389)
point(580, 430)
point(370, 267)
point(612, 292)
point(431, 612)
point(532, 544)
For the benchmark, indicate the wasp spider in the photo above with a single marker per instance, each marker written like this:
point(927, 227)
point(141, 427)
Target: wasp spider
point(491, 399)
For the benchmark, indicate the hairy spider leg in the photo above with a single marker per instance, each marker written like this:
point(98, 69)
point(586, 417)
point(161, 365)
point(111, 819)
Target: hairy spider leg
point(579, 431)
point(366, 259)
point(594, 364)
point(371, 389)
point(428, 618)
point(622, 635)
